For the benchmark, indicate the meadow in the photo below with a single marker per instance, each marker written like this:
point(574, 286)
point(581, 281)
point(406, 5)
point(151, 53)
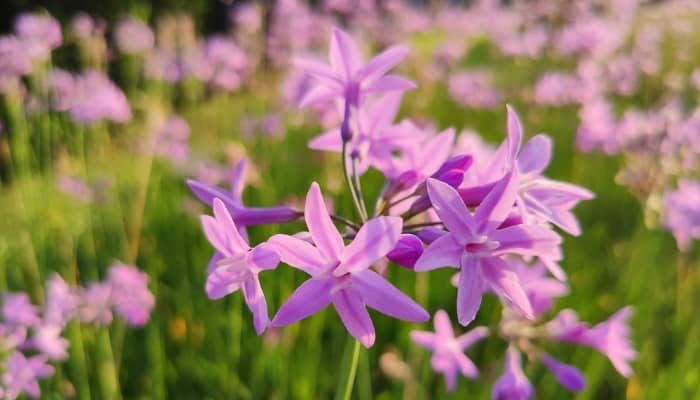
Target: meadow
point(75, 197)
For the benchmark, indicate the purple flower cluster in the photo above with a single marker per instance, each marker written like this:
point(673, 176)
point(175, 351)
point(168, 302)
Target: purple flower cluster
point(31, 335)
point(488, 212)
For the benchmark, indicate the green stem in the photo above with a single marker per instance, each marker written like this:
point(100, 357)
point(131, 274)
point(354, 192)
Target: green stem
point(356, 196)
point(349, 368)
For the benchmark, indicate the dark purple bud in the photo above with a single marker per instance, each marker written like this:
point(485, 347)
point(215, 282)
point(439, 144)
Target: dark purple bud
point(461, 163)
point(398, 185)
point(421, 204)
point(407, 251)
point(453, 177)
point(568, 376)
point(473, 196)
point(430, 234)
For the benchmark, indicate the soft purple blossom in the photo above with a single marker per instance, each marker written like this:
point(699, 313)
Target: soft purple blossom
point(171, 139)
point(17, 309)
point(96, 304)
point(340, 273)
point(474, 89)
point(97, 98)
point(47, 340)
point(236, 265)
point(228, 63)
point(130, 295)
point(682, 212)
point(39, 34)
point(21, 375)
point(133, 36)
point(612, 338)
point(347, 78)
point(448, 351)
point(61, 301)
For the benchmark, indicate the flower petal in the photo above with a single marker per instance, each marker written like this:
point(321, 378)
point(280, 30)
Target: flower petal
point(235, 242)
point(515, 135)
point(325, 234)
point(425, 339)
point(237, 179)
point(451, 209)
point(383, 62)
point(535, 155)
point(354, 315)
point(525, 240)
point(373, 241)
point(384, 297)
point(496, 206)
point(298, 253)
point(319, 94)
point(344, 54)
point(442, 324)
point(264, 256)
point(309, 298)
point(443, 252)
point(468, 339)
point(505, 283)
point(469, 290)
point(389, 83)
point(215, 235)
point(255, 298)
point(327, 141)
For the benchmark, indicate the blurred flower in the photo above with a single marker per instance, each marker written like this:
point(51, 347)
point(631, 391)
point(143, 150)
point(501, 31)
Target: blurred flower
point(18, 310)
point(21, 375)
point(96, 98)
point(96, 303)
point(474, 89)
point(682, 212)
point(130, 295)
point(448, 351)
point(39, 34)
point(133, 36)
point(171, 139)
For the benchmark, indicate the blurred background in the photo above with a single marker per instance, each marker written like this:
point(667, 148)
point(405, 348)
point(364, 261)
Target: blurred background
point(107, 109)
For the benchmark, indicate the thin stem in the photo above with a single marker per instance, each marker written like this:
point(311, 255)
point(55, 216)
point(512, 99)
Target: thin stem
point(349, 181)
point(345, 221)
point(421, 225)
point(344, 392)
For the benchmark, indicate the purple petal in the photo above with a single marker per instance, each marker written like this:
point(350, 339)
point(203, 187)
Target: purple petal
point(207, 193)
point(264, 256)
point(255, 298)
point(344, 54)
point(328, 141)
point(496, 206)
point(535, 155)
point(389, 83)
point(318, 70)
point(466, 366)
point(442, 324)
point(443, 252)
point(525, 240)
point(309, 298)
point(215, 234)
point(425, 339)
point(237, 178)
point(227, 279)
point(506, 285)
point(383, 62)
point(354, 315)
point(569, 377)
point(319, 94)
point(469, 290)
point(298, 253)
point(451, 209)
point(373, 241)
point(515, 134)
point(384, 297)
point(325, 234)
point(468, 339)
point(235, 241)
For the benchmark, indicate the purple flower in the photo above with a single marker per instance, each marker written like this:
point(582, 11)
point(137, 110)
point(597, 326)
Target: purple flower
point(21, 375)
point(61, 302)
point(540, 289)
point(474, 89)
point(235, 265)
point(171, 139)
point(228, 63)
point(346, 78)
point(96, 98)
point(17, 309)
point(556, 89)
point(130, 295)
point(39, 33)
point(14, 63)
point(96, 304)
point(475, 244)
point(373, 140)
point(612, 339)
point(513, 384)
point(133, 36)
point(569, 377)
point(340, 274)
point(62, 88)
point(48, 341)
point(244, 216)
point(448, 351)
point(682, 212)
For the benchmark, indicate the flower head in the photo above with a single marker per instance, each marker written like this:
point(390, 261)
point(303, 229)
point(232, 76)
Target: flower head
point(130, 295)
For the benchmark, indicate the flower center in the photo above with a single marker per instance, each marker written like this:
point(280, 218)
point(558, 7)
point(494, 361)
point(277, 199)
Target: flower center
point(481, 244)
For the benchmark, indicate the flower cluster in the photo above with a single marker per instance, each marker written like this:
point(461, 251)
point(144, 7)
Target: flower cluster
point(31, 335)
point(483, 212)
